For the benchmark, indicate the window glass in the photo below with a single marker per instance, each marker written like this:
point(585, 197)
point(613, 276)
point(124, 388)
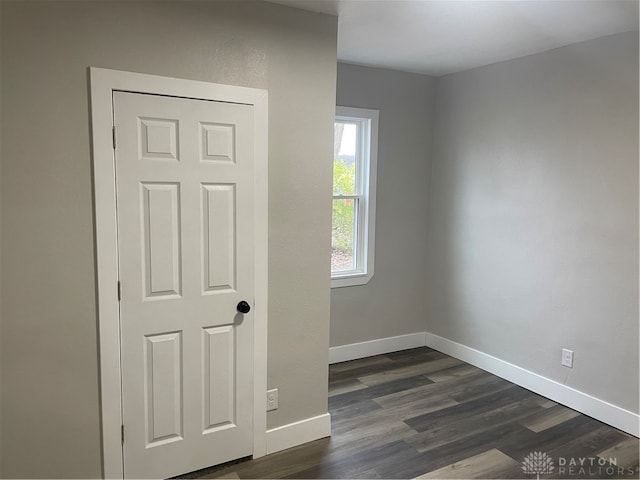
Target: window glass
point(343, 234)
point(344, 162)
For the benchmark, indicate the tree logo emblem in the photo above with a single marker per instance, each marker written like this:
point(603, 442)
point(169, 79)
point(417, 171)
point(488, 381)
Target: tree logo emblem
point(538, 463)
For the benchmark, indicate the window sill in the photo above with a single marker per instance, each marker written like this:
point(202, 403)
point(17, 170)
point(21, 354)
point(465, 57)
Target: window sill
point(350, 280)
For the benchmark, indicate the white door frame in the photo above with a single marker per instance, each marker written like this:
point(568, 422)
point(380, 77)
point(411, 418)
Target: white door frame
point(103, 82)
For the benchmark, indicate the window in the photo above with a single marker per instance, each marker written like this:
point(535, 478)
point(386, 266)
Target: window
point(354, 196)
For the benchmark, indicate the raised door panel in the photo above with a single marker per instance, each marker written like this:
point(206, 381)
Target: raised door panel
point(219, 378)
point(218, 142)
point(158, 139)
point(219, 237)
point(161, 244)
point(163, 388)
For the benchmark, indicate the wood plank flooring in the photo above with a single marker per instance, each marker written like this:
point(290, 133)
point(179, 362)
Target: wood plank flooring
point(422, 414)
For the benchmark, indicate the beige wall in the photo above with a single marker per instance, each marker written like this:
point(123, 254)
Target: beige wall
point(50, 410)
point(394, 301)
point(534, 214)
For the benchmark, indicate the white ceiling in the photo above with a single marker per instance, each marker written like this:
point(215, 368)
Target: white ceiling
point(436, 37)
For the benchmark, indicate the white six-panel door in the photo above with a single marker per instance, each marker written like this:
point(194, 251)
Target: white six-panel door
point(184, 181)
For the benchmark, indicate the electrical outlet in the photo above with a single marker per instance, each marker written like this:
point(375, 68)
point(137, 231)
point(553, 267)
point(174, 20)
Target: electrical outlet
point(567, 358)
point(272, 399)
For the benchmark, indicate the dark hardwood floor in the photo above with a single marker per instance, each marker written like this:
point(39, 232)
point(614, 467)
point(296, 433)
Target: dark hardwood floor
point(422, 414)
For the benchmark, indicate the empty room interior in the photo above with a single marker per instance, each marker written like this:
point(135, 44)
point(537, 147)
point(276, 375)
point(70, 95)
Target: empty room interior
point(193, 198)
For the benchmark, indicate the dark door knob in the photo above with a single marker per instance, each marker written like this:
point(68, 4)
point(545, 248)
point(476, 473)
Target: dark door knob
point(243, 307)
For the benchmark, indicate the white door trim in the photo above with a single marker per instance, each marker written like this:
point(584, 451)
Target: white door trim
point(102, 84)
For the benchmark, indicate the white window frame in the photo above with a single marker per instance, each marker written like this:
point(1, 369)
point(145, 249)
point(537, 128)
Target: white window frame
point(366, 168)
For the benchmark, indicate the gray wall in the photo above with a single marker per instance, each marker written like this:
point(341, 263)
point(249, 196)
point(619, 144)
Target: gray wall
point(50, 396)
point(533, 214)
point(393, 302)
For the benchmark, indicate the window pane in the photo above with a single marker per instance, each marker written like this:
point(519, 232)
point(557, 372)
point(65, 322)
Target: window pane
point(343, 234)
point(344, 158)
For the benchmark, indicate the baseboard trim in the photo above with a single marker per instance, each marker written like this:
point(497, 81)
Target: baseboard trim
point(606, 412)
point(297, 433)
point(380, 346)
point(580, 401)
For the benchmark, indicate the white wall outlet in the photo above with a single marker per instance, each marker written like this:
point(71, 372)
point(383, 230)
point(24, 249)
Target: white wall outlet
point(272, 399)
point(567, 357)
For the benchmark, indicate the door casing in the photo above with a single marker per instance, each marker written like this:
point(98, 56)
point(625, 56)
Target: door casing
point(103, 82)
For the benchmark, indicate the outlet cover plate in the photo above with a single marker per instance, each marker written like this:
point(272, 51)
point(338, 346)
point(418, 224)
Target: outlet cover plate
point(567, 357)
point(272, 399)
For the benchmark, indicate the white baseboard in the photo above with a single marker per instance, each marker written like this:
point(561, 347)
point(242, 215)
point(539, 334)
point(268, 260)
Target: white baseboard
point(606, 412)
point(580, 401)
point(380, 346)
point(297, 433)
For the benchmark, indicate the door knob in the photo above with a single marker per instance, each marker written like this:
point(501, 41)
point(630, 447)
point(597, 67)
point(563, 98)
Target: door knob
point(243, 307)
